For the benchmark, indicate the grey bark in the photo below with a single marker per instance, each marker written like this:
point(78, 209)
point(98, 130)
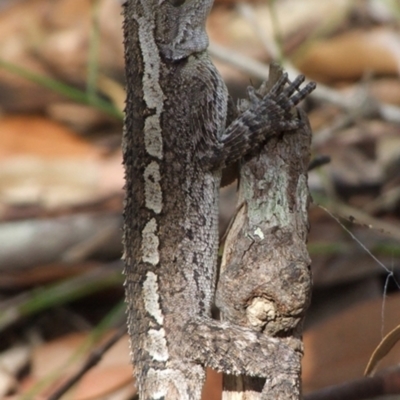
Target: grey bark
point(265, 281)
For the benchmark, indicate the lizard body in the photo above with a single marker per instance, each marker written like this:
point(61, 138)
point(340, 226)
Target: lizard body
point(175, 145)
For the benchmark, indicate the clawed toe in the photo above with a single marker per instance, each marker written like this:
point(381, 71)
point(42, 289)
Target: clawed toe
point(287, 97)
point(293, 86)
point(280, 83)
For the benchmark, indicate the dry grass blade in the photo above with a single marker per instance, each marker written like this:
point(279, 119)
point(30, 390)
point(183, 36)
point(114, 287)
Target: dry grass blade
point(384, 347)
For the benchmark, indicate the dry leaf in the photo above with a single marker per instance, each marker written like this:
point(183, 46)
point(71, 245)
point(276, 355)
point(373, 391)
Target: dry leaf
point(37, 136)
point(385, 90)
point(352, 54)
point(384, 347)
point(43, 162)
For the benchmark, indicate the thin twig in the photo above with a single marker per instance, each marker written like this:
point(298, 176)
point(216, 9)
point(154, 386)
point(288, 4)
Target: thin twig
point(93, 359)
point(360, 389)
point(362, 217)
point(347, 102)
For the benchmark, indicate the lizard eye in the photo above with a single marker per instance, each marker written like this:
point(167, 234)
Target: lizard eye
point(176, 3)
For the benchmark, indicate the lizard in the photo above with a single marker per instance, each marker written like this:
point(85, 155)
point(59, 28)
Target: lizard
point(176, 141)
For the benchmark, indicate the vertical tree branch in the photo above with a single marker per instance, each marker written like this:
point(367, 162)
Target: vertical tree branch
point(265, 280)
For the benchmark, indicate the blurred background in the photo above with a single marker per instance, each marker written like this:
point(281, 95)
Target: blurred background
point(61, 180)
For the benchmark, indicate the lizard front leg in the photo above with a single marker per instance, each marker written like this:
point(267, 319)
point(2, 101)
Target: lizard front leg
point(265, 117)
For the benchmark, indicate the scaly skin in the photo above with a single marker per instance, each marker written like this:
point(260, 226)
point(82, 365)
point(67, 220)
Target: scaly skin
point(175, 146)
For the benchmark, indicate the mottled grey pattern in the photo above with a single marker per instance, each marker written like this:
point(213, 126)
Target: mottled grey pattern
point(175, 145)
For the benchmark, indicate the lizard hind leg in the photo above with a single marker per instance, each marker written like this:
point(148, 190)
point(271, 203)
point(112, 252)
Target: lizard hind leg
point(237, 350)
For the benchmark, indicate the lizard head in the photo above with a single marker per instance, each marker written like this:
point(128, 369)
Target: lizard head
point(181, 27)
